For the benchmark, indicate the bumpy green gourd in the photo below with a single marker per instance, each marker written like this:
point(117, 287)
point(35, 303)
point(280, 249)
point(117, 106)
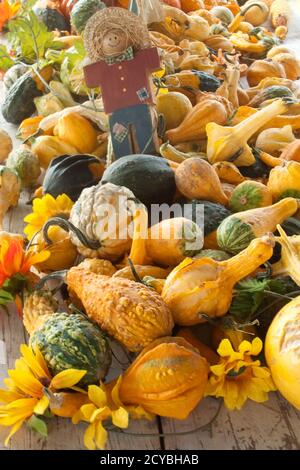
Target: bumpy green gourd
point(73, 342)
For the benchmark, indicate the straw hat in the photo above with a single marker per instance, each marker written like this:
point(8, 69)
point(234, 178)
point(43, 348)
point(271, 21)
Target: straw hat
point(114, 18)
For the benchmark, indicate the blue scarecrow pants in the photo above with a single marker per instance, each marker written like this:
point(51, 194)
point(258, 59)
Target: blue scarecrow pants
point(132, 131)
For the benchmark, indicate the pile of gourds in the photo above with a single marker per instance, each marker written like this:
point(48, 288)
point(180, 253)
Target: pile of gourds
point(229, 159)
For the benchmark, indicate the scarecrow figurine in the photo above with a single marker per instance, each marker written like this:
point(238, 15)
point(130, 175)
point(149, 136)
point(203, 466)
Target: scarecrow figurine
point(118, 43)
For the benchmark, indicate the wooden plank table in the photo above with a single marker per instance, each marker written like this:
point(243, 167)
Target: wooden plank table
point(273, 425)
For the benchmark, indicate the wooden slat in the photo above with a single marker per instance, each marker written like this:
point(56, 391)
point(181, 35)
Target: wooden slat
point(273, 425)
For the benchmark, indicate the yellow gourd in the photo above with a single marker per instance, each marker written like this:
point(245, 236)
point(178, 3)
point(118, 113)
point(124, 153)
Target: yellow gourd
point(205, 286)
point(228, 173)
point(77, 131)
point(292, 151)
point(47, 147)
point(6, 145)
point(275, 140)
point(230, 143)
point(290, 63)
point(172, 240)
point(194, 125)
point(197, 179)
point(257, 13)
point(174, 107)
point(261, 69)
point(63, 253)
point(218, 41)
point(282, 351)
point(284, 180)
point(168, 379)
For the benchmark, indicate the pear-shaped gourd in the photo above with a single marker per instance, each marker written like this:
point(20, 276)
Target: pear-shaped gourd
point(197, 179)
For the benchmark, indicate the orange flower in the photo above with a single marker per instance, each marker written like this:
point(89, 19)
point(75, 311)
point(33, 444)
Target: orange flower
point(14, 260)
point(7, 11)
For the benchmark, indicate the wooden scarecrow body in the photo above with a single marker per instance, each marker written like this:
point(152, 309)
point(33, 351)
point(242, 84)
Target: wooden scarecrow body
point(127, 98)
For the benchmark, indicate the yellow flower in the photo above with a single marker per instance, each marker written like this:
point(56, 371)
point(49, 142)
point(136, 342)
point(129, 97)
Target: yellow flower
point(98, 410)
point(238, 377)
point(44, 209)
point(104, 403)
point(30, 387)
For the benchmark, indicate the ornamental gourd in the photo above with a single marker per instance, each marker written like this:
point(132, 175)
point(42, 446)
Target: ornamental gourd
point(202, 287)
point(130, 312)
point(70, 174)
point(174, 107)
point(261, 69)
point(67, 341)
point(168, 378)
point(48, 147)
point(77, 131)
point(250, 195)
point(231, 143)
point(236, 232)
point(10, 188)
point(210, 108)
point(99, 222)
point(5, 145)
point(25, 163)
point(284, 180)
point(197, 179)
point(282, 351)
point(275, 140)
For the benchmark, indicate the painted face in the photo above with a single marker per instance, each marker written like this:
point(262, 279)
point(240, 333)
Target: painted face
point(114, 42)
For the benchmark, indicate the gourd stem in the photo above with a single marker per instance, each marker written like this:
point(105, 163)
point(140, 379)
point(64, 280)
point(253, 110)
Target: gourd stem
point(69, 227)
point(58, 275)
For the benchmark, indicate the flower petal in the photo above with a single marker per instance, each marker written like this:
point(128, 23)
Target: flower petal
point(13, 430)
point(33, 362)
point(97, 396)
point(120, 418)
point(42, 405)
point(89, 437)
point(101, 436)
point(67, 378)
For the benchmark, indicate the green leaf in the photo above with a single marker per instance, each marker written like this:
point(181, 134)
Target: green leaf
point(249, 295)
point(38, 425)
point(29, 37)
point(6, 62)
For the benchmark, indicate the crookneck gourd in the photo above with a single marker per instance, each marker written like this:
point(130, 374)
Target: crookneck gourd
point(210, 108)
point(236, 231)
point(202, 287)
point(230, 143)
point(289, 263)
point(129, 311)
point(166, 243)
point(66, 340)
point(99, 221)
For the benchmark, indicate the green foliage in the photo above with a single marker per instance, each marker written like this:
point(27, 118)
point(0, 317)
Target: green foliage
point(249, 295)
point(38, 425)
point(6, 62)
point(30, 38)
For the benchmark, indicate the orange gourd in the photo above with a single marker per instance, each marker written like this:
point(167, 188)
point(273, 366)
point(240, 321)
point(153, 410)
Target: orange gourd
point(168, 379)
point(209, 109)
